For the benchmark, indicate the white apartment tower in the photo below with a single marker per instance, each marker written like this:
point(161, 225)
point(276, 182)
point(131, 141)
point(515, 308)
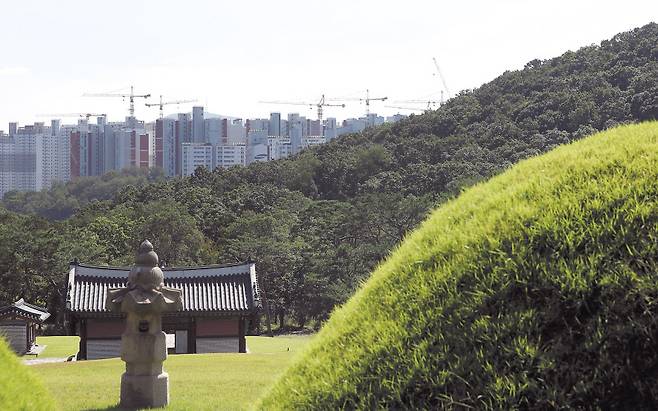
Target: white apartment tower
point(195, 155)
point(198, 125)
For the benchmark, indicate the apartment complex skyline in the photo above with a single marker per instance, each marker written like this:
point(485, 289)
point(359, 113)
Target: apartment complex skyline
point(33, 157)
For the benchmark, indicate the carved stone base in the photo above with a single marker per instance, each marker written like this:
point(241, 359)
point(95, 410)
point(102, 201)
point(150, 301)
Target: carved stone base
point(145, 391)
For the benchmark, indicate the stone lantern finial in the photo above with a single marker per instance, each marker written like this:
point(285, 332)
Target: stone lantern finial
point(146, 256)
point(143, 344)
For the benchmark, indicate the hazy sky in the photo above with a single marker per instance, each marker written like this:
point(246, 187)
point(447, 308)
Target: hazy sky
point(231, 55)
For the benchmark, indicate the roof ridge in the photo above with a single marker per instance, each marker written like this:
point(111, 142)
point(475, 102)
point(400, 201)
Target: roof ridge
point(181, 268)
point(123, 278)
point(36, 307)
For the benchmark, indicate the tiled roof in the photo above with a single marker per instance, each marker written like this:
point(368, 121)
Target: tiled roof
point(226, 289)
point(23, 309)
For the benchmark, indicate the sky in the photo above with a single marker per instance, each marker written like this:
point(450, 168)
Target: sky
point(232, 55)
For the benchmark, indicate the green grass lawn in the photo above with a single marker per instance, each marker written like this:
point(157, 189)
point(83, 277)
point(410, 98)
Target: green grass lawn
point(197, 381)
point(58, 346)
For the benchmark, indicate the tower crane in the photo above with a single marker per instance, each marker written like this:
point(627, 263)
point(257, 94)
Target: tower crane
point(443, 80)
point(161, 104)
point(367, 100)
point(319, 105)
point(429, 103)
point(86, 115)
point(132, 96)
point(405, 108)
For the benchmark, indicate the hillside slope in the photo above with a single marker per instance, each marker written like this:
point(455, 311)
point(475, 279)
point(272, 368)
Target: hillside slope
point(537, 289)
point(19, 389)
point(318, 223)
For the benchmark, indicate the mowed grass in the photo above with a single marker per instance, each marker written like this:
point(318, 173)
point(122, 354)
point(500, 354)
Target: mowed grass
point(58, 346)
point(197, 381)
point(535, 290)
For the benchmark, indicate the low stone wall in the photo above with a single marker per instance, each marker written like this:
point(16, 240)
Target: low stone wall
point(97, 349)
point(219, 344)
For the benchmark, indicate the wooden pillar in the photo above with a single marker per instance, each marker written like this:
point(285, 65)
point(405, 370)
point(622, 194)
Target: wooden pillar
point(242, 342)
point(191, 337)
point(82, 351)
point(72, 324)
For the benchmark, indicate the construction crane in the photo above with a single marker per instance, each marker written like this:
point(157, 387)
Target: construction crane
point(405, 108)
point(86, 115)
point(443, 80)
point(161, 104)
point(132, 96)
point(429, 103)
point(367, 100)
point(319, 105)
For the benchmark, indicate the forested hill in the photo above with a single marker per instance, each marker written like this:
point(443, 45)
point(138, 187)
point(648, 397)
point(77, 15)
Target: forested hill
point(318, 223)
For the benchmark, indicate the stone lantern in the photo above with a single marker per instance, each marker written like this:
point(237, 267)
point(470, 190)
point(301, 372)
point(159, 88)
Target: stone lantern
point(143, 343)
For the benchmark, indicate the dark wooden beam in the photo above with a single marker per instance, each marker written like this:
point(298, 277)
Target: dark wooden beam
point(242, 342)
point(191, 337)
point(82, 351)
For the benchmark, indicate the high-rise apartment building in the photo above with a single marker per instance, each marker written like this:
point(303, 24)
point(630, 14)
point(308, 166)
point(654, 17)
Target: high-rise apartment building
point(274, 127)
point(330, 129)
point(18, 162)
point(183, 135)
point(195, 155)
point(33, 158)
point(230, 156)
point(165, 150)
point(257, 146)
point(213, 131)
point(314, 127)
point(198, 125)
point(235, 132)
point(54, 156)
point(257, 124)
point(278, 148)
point(295, 132)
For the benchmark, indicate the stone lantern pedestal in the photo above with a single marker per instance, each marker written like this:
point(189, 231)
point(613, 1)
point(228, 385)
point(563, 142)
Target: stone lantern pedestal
point(143, 343)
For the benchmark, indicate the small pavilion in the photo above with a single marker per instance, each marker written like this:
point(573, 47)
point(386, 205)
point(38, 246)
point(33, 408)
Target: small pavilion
point(19, 323)
point(218, 303)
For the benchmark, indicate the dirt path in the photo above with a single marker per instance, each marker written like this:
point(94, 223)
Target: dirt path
point(43, 360)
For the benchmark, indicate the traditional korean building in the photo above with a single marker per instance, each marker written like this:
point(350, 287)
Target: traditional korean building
point(19, 323)
point(218, 301)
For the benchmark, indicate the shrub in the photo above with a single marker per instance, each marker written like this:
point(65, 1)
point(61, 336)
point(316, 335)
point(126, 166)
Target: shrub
point(19, 388)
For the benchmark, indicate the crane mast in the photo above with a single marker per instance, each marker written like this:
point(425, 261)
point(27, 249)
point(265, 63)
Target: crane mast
point(319, 105)
point(86, 115)
point(161, 104)
point(443, 80)
point(429, 103)
point(367, 100)
point(131, 97)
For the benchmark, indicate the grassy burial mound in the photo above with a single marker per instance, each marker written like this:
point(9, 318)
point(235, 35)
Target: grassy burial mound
point(19, 389)
point(537, 289)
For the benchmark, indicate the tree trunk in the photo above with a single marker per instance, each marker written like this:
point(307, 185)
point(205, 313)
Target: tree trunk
point(281, 315)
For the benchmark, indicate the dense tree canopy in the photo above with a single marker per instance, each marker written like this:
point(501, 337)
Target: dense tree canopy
point(317, 224)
